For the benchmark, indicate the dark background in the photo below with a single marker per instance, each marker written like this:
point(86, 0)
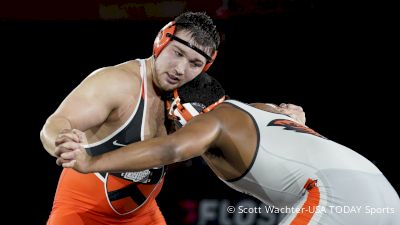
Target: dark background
point(333, 59)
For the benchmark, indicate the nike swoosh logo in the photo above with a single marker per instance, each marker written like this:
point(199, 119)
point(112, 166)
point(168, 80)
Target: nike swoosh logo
point(118, 144)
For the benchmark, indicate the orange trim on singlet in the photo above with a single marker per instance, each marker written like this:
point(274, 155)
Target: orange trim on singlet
point(186, 114)
point(310, 205)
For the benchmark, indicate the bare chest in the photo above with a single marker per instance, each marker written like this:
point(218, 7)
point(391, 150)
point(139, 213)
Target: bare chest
point(144, 116)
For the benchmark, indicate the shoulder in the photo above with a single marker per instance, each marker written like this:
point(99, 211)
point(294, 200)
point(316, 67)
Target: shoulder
point(215, 119)
point(122, 77)
point(223, 110)
point(229, 115)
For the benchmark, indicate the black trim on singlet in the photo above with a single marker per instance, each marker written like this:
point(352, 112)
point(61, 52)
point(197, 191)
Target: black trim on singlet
point(103, 174)
point(129, 134)
point(131, 191)
point(257, 147)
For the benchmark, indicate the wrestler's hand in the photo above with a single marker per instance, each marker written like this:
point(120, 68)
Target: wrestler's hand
point(77, 158)
point(291, 110)
point(68, 135)
point(294, 111)
point(64, 136)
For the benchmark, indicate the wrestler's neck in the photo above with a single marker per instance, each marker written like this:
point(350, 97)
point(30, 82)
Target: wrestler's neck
point(150, 75)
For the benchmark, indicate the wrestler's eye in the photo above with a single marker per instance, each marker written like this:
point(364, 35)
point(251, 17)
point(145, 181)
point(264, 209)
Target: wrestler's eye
point(178, 54)
point(195, 65)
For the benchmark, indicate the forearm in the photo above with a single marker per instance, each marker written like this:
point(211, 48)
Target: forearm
point(135, 157)
point(50, 131)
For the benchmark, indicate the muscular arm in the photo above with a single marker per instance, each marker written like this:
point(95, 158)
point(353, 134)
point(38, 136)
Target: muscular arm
point(190, 141)
point(87, 106)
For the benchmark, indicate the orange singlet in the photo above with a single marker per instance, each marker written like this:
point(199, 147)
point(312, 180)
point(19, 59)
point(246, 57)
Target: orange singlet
point(111, 198)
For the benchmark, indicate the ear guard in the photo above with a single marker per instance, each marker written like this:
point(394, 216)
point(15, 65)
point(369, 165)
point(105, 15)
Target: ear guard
point(166, 34)
point(182, 113)
point(162, 40)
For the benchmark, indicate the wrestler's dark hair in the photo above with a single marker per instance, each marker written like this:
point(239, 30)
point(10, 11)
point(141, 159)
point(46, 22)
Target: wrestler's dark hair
point(203, 89)
point(201, 28)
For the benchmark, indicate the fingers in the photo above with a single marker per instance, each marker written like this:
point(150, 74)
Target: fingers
point(81, 136)
point(60, 161)
point(69, 164)
point(66, 147)
point(294, 107)
point(70, 135)
point(291, 106)
point(67, 157)
point(66, 135)
point(68, 140)
point(294, 111)
point(299, 117)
